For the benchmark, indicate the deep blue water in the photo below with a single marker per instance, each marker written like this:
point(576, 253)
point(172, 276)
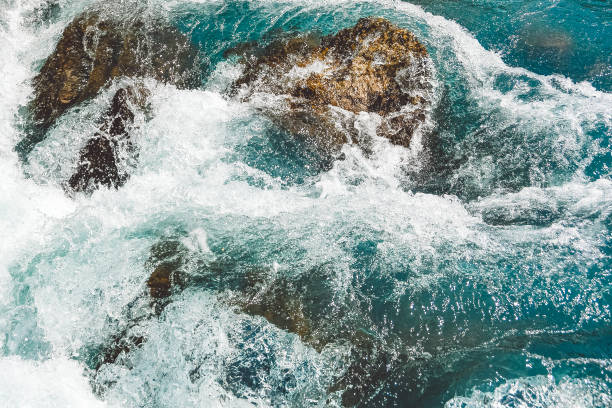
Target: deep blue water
point(481, 260)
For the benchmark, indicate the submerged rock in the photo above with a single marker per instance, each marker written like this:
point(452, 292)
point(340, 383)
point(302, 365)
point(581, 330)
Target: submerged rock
point(539, 38)
point(94, 49)
point(166, 259)
point(305, 305)
point(99, 162)
point(320, 84)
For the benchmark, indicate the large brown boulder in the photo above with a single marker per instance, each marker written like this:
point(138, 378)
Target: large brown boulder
point(322, 83)
point(94, 49)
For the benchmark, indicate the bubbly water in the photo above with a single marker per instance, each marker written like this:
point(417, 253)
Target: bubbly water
point(485, 248)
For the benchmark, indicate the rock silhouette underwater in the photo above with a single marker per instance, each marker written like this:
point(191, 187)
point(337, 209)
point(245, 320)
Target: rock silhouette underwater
point(304, 306)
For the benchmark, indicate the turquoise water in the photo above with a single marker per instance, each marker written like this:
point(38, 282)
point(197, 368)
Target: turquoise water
point(480, 258)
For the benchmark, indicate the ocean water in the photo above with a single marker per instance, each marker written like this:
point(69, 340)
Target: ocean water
point(480, 258)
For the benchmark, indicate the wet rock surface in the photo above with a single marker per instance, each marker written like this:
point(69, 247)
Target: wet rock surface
point(166, 260)
point(99, 163)
point(317, 83)
point(94, 50)
point(97, 166)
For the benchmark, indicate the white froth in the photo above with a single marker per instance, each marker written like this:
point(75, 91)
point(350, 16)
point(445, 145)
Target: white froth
point(91, 255)
point(56, 383)
point(197, 241)
point(539, 392)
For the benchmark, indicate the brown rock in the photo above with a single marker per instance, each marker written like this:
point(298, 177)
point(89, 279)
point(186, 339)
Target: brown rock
point(373, 67)
point(94, 49)
point(98, 160)
point(159, 283)
point(279, 304)
point(97, 166)
point(166, 260)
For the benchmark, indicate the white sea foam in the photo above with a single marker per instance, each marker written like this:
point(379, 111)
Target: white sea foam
point(197, 241)
point(82, 260)
point(539, 392)
point(55, 383)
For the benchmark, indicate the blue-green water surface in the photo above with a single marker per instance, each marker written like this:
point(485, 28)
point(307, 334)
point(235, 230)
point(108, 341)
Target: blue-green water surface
point(481, 259)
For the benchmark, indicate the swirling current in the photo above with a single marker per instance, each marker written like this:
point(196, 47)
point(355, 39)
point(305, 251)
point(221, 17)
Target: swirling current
point(478, 261)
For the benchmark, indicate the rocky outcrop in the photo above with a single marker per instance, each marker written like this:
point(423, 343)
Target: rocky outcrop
point(99, 162)
point(319, 85)
point(94, 49)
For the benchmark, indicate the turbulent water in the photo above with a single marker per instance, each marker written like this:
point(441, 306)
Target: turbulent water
point(484, 251)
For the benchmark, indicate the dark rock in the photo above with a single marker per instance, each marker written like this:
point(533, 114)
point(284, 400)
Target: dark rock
point(535, 214)
point(305, 306)
point(371, 363)
point(121, 345)
point(94, 49)
point(46, 12)
point(97, 166)
point(280, 306)
point(373, 67)
point(160, 282)
point(166, 260)
point(98, 160)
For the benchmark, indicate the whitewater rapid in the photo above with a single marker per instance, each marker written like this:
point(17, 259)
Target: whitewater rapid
point(518, 230)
